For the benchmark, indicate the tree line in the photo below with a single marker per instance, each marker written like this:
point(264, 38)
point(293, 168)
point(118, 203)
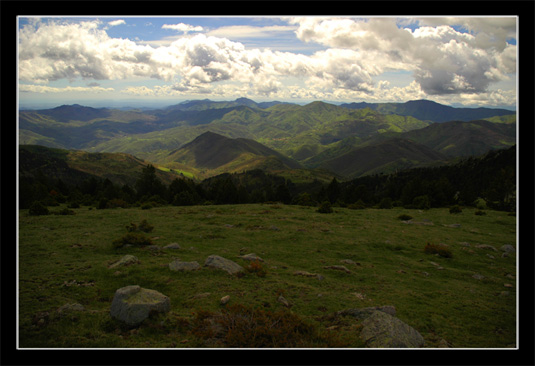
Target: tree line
point(491, 177)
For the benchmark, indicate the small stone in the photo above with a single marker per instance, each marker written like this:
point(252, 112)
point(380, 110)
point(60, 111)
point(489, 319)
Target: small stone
point(70, 308)
point(251, 257)
point(338, 268)
point(508, 285)
point(283, 301)
point(305, 274)
point(125, 261)
point(172, 246)
point(477, 276)
point(508, 248)
point(225, 299)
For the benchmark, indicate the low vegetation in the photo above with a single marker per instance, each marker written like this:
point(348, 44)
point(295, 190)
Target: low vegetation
point(466, 299)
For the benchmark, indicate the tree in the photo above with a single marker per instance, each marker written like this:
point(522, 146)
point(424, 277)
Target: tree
point(149, 184)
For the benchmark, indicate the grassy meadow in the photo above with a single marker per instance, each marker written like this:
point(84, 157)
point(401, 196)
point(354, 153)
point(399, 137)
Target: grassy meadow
point(64, 259)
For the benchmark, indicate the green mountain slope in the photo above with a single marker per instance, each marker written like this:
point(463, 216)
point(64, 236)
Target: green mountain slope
point(384, 157)
point(74, 166)
point(217, 153)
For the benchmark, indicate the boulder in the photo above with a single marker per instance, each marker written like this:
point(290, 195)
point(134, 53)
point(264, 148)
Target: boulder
point(133, 304)
point(215, 261)
point(178, 265)
point(382, 330)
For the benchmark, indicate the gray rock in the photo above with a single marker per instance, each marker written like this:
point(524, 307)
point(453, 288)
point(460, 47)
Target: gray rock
point(125, 261)
point(178, 265)
point(477, 276)
point(508, 248)
point(215, 261)
point(67, 308)
point(172, 246)
point(382, 330)
point(251, 257)
point(133, 304)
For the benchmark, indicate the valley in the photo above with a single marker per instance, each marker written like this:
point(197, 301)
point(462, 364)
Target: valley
point(316, 135)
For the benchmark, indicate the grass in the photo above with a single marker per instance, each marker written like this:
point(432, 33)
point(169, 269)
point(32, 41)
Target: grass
point(64, 259)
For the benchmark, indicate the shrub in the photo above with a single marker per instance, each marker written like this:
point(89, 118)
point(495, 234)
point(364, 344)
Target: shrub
point(455, 209)
point(421, 202)
point(74, 205)
point(386, 203)
point(405, 217)
point(238, 326)
point(135, 239)
point(64, 211)
point(102, 204)
point(116, 202)
point(480, 213)
point(257, 268)
point(38, 209)
point(440, 249)
point(359, 205)
point(325, 207)
point(145, 226)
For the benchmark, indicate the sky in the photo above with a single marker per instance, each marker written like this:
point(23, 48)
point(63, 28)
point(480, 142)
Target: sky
point(144, 61)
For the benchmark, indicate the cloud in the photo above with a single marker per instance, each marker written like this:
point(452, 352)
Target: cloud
point(67, 89)
point(443, 60)
point(181, 27)
point(114, 23)
point(247, 31)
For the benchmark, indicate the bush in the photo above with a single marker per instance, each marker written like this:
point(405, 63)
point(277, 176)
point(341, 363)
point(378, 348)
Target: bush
point(238, 326)
point(135, 239)
point(359, 205)
point(64, 211)
point(257, 268)
point(480, 213)
point(38, 209)
point(145, 226)
point(421, 202)
point(74, 205)
point(116, 202)
point(405, 217)
point(440, 249)
point(455, 209)
point(386, 203)
point(325, 207)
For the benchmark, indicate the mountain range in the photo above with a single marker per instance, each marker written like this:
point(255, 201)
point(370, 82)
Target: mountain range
point(202, 138)
point(427, 110)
